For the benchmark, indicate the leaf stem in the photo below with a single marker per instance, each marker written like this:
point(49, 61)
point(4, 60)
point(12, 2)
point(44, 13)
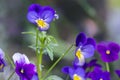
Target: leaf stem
point(49, 70)
point(11, 75)
point(107, 67)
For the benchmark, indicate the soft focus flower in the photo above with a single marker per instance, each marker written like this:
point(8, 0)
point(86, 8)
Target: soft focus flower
point(74, 73)
point(108, 51)
point(23, 67)
point(85, 49)
point(2, 60)
point(91, 64)
point(118, 73)
point(41, 15)
point(98, 74)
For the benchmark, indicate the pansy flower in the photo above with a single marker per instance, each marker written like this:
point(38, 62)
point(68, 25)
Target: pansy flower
point(24, 69)
point(108, 51)
point(2, 60)
point(85, 48)
point(41, 15)
point(74, 73)
point(98, 74)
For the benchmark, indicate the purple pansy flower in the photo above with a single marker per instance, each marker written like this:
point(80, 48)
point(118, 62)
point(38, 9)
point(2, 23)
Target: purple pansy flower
point(85, 48)
point(108, 51)
point(118, 73)
point(2, 60)
point(23, 67)
point(74, 73)
point(98, 74)
point(41, 15)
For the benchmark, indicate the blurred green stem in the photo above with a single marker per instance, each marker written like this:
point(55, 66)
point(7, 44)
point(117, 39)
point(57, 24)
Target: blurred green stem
point(67, 78)
point(107, 67)
point(11, 75)
point(9, 59)
point(37, 55)
point(58, 60)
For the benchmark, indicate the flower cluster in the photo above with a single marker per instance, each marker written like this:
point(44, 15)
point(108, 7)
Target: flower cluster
point(85, 48)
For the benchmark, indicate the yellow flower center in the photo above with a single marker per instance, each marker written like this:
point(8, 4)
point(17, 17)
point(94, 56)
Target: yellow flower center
point(1, 66)
point(76, 77)
point(41, 23)
point(78, 54)
point(108, 52)
point(22, 71)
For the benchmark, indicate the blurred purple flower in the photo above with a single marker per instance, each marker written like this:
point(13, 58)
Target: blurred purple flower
point(85, 49)
point(2, 60)
point(98, 74)
point(91, 64)
point(108, 51)
point(41, 15)
point(74, 73)
point(23, 67)
point(118, 73)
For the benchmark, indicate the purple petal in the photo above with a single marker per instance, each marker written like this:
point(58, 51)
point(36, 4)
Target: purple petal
point(114, 47)
point(101, 48)
point(35, 7)
point(44, 28)
point(81, 38)
point(66, 69)
point(47, 14)
point(118, 73)
point(79, 62)
point(32, 16)
point(35, 77)
point(88, 51)
point(90, 41)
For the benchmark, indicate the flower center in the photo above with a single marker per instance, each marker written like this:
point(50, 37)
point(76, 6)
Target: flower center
point(76, 77)
point(108, 52)
point(101, 78)
point(78, 54)
point(1, 66)
point(41, 23)
point(22, 70)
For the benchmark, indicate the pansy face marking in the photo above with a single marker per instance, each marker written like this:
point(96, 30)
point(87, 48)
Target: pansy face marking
point(76, 77)
point(41, 23)
point(101, 79)
point(78, 54)
point(108, 52)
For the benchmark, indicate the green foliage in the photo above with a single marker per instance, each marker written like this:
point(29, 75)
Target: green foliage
point(54, 77)
point(46, 42)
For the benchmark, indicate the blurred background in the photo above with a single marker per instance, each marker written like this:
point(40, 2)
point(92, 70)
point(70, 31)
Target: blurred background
point(97, 18)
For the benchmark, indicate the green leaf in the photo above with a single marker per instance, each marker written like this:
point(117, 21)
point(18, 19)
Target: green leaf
point(50, 52)
point(54, 77)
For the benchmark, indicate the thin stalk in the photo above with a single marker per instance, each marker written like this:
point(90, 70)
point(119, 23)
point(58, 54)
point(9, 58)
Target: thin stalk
point(67, 78)
point(9, 59)
point(37, 55)
point(49, 70)
point(40, 61)
point(107, 67)
point(11, 75)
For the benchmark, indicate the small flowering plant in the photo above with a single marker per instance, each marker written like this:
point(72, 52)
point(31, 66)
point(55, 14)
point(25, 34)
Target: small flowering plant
point(42, 17)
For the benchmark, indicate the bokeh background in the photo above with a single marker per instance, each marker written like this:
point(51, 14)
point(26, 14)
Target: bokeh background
point(97, 18)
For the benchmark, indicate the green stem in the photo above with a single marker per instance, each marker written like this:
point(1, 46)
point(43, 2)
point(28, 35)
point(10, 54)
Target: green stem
point(37, 54)
point(11, 75)
point(9, 59)
point(67, 78)
point(107, 67)
point(57, 62)
point(40, 61)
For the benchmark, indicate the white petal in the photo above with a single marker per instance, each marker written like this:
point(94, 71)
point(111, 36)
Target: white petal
point(81, 60)
point(1, 53)
point(20, 58)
